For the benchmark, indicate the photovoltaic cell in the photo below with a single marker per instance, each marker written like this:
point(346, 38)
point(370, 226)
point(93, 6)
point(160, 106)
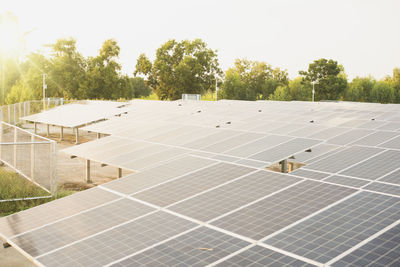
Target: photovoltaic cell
point(118, 242)
point(343, 159)
point(214, 203)
point(282, 209)
point(79, 226)
point(330, 233)
point(192, 184)
point(380, 252)
point(151, 177)
point(393, 178)
point(259, 145)
point(285, 150)
point(384, 188)
point(258, 256)
point(375, 138)
point(310, 174)
point(376, 166)
point(46, 213)
point(310, 154)
point(393, 143)
point(343, 180)
point(349, 136)
point(232, 142)
point(199, 247)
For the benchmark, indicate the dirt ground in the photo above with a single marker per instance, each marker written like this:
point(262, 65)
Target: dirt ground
point(71, 175)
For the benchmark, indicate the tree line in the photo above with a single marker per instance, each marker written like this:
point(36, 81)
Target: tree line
point(182, 67)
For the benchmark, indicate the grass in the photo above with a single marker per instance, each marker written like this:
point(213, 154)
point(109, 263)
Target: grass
point(14, 186)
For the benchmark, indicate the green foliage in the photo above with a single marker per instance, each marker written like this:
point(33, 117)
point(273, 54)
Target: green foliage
point(67, 71)
point(359, 89)
point(251, 80)
point(330, 77)
point(13, 186)
point(382, 92)
point(299, 90)
point(281, 93)
point(139, 87)
point(180, 67)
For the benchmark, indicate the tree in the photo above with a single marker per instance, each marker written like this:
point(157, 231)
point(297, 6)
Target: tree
point(281, 94)
point(30, 83)
point(330, 77)
point(68, 69)
point(299, 90)
point(139, 87)
point(257, 80)
point(382, 92)
point(103, 78)
point(359, 89)
point(181, 67)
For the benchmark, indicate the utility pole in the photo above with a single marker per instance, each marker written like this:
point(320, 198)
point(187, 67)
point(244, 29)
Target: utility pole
point(44, 91)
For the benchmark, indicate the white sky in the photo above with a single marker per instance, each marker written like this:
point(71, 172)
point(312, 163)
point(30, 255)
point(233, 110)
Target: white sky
point(362, 35)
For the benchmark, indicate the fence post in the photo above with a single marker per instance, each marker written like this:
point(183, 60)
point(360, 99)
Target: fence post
point(19, 112)
point(33, 157)
point(15, 146)
point(15, 113)
point(9, 114)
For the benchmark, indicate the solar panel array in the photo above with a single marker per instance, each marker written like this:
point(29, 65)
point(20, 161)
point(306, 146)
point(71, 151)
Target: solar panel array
point(201, 194)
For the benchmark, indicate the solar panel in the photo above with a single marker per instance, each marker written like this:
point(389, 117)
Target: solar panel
point(199, 247)
point(257, 146)
point(282, 209)
point(337, 229)
point(285, 150)
point(383, 188)
point(348, 181)
point(310, 174)
point(192, 184)
point(375, 138)
point(232, 142)
point(383, 250)
point(118, 242)
point(349, 136)
point(259, 256)
point(47, 213)
point(221, 200)
point(139, 181)
point(393, 143)
point(80, 226)
point(393, 177)
point(343, 159)
point(376, 166)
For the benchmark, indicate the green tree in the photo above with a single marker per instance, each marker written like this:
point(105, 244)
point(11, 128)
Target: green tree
point(103, 78)
point(299, 90)
point(30, 83)
point(359, 89)
point(181, 67)
point(257, 80)
point(139, 87)
point(281, 93)
point(330, 77)
point(382, 92)
point(68, 69)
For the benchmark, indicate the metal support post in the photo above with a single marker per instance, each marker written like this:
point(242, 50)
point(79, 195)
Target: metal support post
point(48, 129)
point(76, 136)
point(98, 135)
point(15, 147)
point(284, 164)
point(35, 126)
point(61, 133)
point(119, 172)
point(15, 114)
point(88, 180)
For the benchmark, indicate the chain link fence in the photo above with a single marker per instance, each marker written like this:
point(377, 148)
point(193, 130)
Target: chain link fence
point(30, 156)
point(13, 113)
